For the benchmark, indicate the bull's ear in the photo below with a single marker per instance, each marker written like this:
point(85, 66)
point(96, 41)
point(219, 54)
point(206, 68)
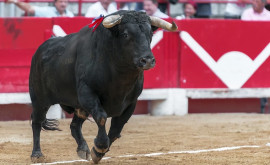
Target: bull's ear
point(154, 28)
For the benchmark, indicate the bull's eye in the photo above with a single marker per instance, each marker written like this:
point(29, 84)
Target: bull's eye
point(125, 35)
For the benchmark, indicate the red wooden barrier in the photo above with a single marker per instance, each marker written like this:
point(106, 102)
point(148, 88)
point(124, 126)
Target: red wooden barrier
point(19, 39)
point(224, 54)
point(231, 46)
point(208, 54)
point(165, 73)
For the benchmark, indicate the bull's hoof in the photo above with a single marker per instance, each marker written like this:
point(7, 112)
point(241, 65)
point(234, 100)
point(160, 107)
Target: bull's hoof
point(84, 154)
point(101, 150)
point(83, 151)
point(37, 157)
point(96, 157)
point(102, 144)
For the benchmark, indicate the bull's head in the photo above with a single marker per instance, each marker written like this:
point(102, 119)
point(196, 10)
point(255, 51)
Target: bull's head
point(136, 37)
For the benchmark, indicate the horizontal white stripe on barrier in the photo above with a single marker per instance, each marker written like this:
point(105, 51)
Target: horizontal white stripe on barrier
point(154, 94)
point(17, 98)
point(228, 93)
point(24, 98)
point(163, 94)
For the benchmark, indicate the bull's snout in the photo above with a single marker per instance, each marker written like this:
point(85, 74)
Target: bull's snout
point(147, 62)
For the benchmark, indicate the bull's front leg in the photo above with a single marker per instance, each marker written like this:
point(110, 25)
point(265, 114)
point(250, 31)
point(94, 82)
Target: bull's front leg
point(90, 102)
point(101, 142)
point(118, 123)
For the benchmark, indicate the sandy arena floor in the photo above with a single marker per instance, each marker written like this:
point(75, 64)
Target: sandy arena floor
point(191, 139)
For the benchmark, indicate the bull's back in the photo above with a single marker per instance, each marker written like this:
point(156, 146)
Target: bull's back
point(52, 69)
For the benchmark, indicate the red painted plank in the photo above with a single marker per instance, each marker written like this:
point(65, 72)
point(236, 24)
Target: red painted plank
point(224, 105)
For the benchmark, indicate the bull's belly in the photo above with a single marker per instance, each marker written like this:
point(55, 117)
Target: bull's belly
point(115, 103)
point(114, 110)
point(66, 97)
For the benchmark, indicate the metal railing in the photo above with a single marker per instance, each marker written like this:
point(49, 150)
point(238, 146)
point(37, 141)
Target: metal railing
point(80, 2)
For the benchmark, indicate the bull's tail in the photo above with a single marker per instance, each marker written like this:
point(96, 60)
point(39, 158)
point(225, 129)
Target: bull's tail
point(50, 124)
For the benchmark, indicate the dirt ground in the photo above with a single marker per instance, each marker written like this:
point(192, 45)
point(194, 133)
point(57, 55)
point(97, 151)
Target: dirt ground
point(145, 134)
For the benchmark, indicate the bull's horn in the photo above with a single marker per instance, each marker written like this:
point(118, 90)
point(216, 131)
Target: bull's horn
point(111, 21)
point(158, 22)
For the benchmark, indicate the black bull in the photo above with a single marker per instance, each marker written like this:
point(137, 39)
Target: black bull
point(96, 73)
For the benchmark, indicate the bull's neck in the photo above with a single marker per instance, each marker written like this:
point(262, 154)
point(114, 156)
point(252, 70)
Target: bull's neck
point(126, 72)
point(118, 70)
point(114, 59)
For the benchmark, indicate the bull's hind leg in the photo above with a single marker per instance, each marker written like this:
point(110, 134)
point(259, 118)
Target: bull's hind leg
point(38, 117)
point(117, 123)
point(75, 127)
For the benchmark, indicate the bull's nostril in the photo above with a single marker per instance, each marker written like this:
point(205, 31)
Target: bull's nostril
point(143, 61)
point(153, 61)
point(147, 62)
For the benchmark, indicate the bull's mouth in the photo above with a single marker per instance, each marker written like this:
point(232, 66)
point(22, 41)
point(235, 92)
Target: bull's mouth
point(148, 66)
point(146, 63)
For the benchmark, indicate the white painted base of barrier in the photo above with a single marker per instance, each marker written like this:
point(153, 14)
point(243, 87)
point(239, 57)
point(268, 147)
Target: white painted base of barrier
point(174, 101)
point(168, 101)
point(55, 112)
point(15, 98)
